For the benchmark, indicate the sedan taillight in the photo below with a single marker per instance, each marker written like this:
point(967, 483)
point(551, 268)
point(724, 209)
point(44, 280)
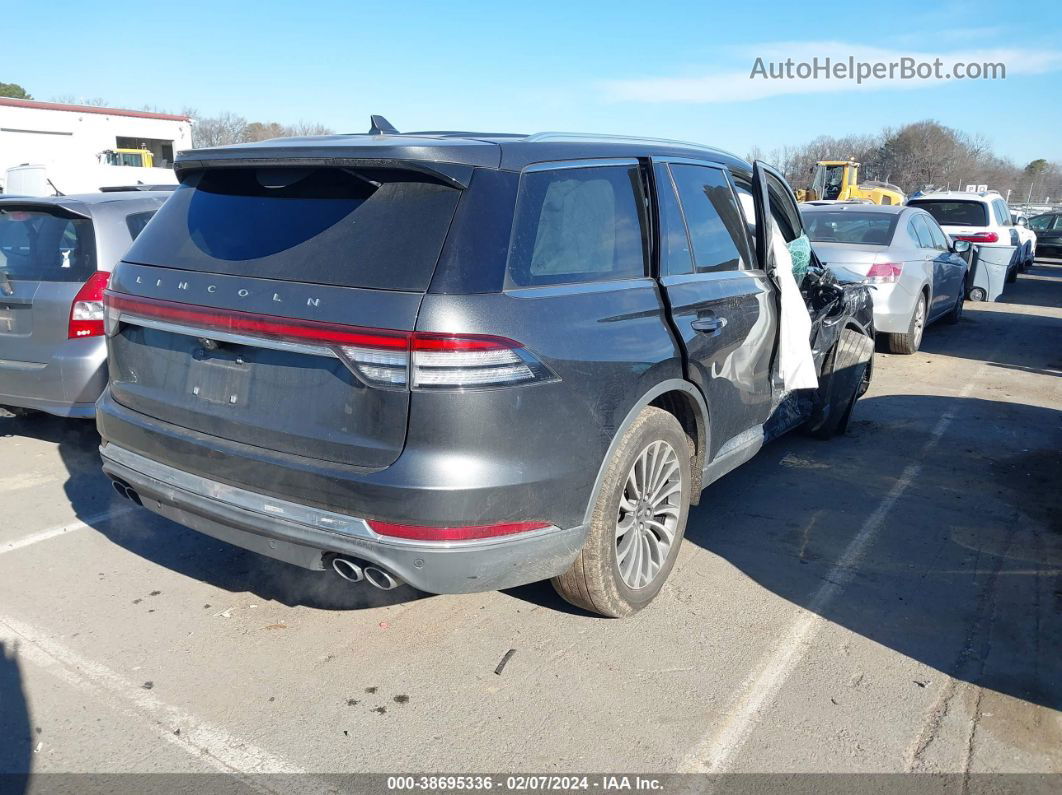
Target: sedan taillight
point(884, 272)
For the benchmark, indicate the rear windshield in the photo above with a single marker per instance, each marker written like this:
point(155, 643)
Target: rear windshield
point(378, 228)
point(850, 227)
point(38, 245)
point(955, 213)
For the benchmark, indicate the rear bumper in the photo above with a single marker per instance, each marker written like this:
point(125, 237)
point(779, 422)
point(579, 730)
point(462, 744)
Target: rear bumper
point(67, 385)
point(301, 535)
point(992, 266)
point(894, 307)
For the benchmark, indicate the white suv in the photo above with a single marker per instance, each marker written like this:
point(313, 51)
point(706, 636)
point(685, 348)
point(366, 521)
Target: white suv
point(984, 220)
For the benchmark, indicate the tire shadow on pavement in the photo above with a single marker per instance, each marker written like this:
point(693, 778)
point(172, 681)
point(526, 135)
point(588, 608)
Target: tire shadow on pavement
point(16, 736)
point(964, 574)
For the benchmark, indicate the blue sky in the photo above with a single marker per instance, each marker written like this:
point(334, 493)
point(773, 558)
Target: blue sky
point(668, 69)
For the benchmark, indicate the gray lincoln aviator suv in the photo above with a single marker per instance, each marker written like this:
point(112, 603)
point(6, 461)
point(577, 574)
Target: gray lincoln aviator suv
point(462, 361)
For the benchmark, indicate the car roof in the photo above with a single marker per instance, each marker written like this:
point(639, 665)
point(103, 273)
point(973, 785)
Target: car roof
point(844, 207)
point(507, 151)
point(88, 204)
point(957, 195)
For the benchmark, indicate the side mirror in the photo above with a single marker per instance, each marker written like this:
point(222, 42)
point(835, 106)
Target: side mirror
point(1022, 221)
point(960, 246)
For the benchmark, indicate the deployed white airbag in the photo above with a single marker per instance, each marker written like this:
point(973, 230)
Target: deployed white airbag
point(796, 365)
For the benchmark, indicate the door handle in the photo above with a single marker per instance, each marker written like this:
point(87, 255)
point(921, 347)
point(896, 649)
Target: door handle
point(708, 325)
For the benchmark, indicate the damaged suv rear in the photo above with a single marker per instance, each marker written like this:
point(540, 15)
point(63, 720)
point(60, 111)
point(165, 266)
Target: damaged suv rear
point(463, 361)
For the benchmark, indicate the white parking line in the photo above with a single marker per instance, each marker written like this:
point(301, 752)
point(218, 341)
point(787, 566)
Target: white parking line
point(53, 532)
point(213, 745)
point(716, 750)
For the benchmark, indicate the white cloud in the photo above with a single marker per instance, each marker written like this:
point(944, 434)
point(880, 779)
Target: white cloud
point(735, 84)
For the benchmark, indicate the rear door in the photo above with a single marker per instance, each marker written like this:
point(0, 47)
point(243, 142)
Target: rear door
point(722, 304)
point(949, 269)
point(271, 306)
point(46, 255)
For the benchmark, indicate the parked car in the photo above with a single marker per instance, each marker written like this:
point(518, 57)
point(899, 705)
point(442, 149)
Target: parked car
point(461, 361)
point(1048, 230)
point(983, 219)
point(1026, 240)
point(56, 255)
point(916, 270)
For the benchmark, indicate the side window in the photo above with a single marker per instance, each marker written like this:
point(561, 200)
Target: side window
point(578, 225)
point(784, 211)
point(921, 230)
point(675, 255)
point(137, 221)
point(940, 241)
point(1002, 213)
point(1058, 222)
point(1041, 222)
point(712, 217)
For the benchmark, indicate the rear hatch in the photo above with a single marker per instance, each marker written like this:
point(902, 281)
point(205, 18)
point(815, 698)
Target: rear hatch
point(269, 306)
point(47, 253)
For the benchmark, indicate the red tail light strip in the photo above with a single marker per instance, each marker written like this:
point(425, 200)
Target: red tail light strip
point(979, 237)
point(423, 533)
point(296, 330)
point(257, 325)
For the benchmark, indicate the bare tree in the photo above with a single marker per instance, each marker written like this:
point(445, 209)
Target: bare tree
point(221, 130)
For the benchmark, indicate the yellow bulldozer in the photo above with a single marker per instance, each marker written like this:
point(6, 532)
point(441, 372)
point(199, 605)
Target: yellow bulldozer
point(838, 180)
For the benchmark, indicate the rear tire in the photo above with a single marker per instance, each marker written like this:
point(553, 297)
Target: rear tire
point(1012, 275)
point(908, 342)
point(633, 538)
point(978, 294)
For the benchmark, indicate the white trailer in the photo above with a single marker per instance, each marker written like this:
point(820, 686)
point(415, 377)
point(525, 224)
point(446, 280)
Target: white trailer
point(48, 147)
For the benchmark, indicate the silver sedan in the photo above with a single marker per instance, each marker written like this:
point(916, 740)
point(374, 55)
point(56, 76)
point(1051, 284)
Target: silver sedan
point(917, 271)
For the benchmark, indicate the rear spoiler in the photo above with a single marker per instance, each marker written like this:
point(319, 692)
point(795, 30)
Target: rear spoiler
point(28, 205)
point(456, 175)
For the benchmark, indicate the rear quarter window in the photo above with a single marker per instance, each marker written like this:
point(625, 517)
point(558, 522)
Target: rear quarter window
point(372, 228)
point(136, 222)
point(578, 225)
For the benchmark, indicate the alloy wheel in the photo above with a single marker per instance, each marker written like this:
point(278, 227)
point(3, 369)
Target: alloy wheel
point(649, 512)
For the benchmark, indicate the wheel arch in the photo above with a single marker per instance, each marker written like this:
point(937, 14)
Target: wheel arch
point(681, 399)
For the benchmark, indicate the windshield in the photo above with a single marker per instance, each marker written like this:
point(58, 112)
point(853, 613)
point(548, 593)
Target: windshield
point(828, 182)
point(954, 212)
point(378, 228)
point(37, 245)
point(842, 226)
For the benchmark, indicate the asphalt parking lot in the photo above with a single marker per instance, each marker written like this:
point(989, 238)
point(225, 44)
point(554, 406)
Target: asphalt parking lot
point(889, 601)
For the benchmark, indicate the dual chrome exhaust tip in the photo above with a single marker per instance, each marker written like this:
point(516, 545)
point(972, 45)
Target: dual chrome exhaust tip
point(352, 571)
point(125, 490)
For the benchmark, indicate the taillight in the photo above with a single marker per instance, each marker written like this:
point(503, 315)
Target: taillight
point(379, 357)
point(979, 237)
point(467, 533)
point(86, 313)
point(884, 272)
